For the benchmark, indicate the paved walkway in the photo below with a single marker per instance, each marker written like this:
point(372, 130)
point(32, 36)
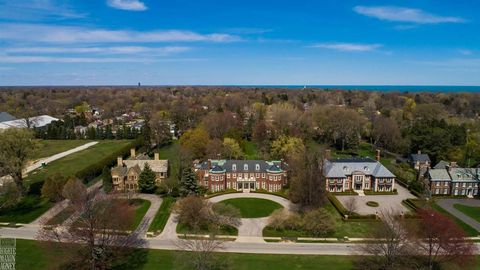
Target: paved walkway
point(386, 202)
point(47, 160)
point(251, 229)
point(447, 204)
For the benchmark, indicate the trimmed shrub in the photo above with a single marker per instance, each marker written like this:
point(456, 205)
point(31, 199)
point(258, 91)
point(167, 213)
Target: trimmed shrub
point(372, 204)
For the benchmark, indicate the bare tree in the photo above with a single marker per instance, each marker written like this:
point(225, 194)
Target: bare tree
point(102, 233)
point(200, 253)
point(351, 204)
point(391, 246)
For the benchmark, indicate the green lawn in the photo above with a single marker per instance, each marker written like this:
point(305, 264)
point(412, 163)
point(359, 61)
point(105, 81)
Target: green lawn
point(31, 256)
point(250, 150)
point(471, 211)
point(172, 153)
point(29, 209)
point(70, 165)
point(468, 230)
point(224, 230)
point(342, 228)
point(141, 208)
point(62, 216)
point(162, 215)
point(48, 148)
point(253, 207)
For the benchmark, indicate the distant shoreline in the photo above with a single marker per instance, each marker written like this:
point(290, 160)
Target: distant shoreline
point(379, 88)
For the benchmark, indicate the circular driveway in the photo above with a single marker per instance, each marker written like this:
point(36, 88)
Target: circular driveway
point(251, 229)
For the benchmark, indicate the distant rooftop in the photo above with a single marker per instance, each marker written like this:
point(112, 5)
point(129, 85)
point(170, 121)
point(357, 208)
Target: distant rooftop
point(352, 160)
point(5, 116)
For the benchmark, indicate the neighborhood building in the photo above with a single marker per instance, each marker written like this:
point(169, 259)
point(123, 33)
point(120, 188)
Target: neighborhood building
point(127, 172)
point(420, 161)
point(241, 175)
point(451, 180)
point(358, 174)
point(37, 121)
point(5, 116)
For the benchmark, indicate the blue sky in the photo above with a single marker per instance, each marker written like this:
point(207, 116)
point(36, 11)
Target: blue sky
point(406, 42)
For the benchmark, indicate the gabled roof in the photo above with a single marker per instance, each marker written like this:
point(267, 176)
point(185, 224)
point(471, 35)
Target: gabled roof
point(341, 167)
point(438, 175)
point(155, 165)
point(37, 121)
point(420, 158)
point(464, 174)
point(5, 116)
point(442, 164)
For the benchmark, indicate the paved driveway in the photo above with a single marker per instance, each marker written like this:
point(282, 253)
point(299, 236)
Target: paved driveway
point(251, 229)
point(386, 202)
point(447, 204)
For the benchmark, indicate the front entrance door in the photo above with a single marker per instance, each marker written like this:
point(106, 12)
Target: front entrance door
point(358, 186)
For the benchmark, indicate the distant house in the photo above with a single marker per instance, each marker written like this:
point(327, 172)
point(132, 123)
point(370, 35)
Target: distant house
point(451, 180)
point(343, 174)
point(126, 174)
point(241, 175)
point(420, 161)
point(37, 122)
point(5, 116)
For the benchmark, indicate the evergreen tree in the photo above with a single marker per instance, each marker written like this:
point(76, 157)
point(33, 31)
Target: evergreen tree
point(146, 181)
point(188, 183)
point(107, 179)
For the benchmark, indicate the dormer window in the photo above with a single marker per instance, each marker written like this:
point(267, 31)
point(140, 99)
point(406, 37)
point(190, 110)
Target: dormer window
point(257, 167)
point(345, 168)
point(245, 167)
point(366, 168)
point(234, 167)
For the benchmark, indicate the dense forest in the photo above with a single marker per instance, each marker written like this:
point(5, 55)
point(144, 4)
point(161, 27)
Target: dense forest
point(444, 125)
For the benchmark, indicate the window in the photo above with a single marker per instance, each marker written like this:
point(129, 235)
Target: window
point(228, 175)
point(263, 175)
point(234, 175)
point(245, 167)
point(228, 185)
point(366, 168)
point(445, 191)
point(437, 191)
point(345, 168)
point(257, 175)
point(234, 167)
point(437, 184)
point(257, 167)
point(456, 192)
point(263, 185)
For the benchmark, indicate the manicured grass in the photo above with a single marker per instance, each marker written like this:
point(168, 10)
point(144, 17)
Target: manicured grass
point(351, 229)
point(62, 216)
point(29, 209)
point(141, 208)
point(47, 148)
point(253, 207)
point(468, 230)
point(224, 230)
point(250, 150)
point(162, 215)
point(70, 165)
point(471, 211)
point(31, 256)
point(172, 153)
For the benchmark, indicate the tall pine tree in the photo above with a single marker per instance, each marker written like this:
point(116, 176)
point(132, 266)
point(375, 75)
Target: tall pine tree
point(188, 183)
point(146, 181)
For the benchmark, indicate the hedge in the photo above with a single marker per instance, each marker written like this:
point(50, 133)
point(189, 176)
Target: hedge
point(372, 204)
point(345, 193)
point(94, 170)
point(227, 191)
point(370, 192)
point(338, 205)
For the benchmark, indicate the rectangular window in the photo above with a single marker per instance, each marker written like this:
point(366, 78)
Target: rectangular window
point(228, 175)
point(234, 175)
point(263, 175)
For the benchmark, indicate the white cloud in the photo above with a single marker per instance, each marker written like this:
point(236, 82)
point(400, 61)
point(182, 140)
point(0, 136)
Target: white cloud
point(54, 59)
point(348, 47)
point(32, 10)
point(407, 15)
point(465, 52)
point(100, 50)
point(73, 34)
point(134, 5)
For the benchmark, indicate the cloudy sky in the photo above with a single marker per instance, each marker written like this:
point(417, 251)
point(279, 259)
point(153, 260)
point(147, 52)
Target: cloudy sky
point(101, 42)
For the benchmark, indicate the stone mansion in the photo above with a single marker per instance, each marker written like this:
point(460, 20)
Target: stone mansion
point(358, 174)
point(126, 174)
point(241, 175)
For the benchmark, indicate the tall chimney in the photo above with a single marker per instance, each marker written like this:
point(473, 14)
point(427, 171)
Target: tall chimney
point(132, 152)
point(157, 156)
point(119, 161)
point(377, 157)
point(209, 164)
